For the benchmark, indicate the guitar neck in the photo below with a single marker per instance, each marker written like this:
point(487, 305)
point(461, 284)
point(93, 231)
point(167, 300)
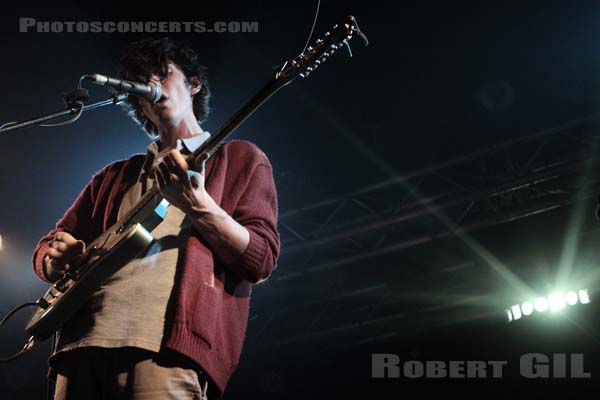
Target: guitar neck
point(217, 138)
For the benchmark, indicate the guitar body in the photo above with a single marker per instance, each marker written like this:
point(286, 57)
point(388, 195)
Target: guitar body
point(67, 295)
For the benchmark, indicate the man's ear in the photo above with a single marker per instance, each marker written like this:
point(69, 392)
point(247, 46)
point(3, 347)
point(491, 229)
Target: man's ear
point(195, 85)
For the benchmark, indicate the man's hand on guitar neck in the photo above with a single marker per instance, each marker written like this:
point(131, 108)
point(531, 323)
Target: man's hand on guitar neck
point(180, 185)
point(184, 189)
point(63, 250)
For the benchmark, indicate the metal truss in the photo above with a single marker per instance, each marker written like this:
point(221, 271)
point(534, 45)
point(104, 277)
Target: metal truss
point(503, 183)
point(506, 182)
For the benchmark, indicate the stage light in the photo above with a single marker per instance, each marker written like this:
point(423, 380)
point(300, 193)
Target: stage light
point(1, 244)
point(555, 302)
point(541, 304)
point(571, 298)
point(583, 296)
point(527, 308)
point(516, 311)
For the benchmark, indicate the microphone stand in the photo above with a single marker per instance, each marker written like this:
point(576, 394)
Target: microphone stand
point(74, 102)
point(75, 106)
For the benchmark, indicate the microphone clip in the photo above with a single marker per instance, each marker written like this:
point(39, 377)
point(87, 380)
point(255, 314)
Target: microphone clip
point(76, 98)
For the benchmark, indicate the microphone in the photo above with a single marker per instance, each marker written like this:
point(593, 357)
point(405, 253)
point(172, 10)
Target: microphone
point(150, 91)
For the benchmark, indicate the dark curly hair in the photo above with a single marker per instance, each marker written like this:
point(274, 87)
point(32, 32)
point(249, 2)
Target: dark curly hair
point(151, 56)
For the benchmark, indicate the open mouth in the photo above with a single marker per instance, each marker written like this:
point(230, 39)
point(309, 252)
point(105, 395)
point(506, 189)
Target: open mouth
point(160, 104)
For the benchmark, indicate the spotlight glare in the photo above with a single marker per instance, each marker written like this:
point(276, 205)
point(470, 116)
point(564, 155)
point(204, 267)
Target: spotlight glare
point(508, 315)
point(584, 298)
point(571, 298)
point(527, 308)
point(516, 312)
point(541, 304)
point(556, 301)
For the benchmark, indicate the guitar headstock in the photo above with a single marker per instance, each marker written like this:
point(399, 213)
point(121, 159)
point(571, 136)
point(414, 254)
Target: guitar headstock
point(319, 51)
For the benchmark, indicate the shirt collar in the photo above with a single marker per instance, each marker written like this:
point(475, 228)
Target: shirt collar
point(193, 143)
point(186, 146)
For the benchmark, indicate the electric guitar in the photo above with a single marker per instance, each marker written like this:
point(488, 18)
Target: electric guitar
point(119, 244)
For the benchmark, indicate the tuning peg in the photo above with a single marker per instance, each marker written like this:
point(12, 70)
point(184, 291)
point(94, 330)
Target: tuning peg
point(349, 49)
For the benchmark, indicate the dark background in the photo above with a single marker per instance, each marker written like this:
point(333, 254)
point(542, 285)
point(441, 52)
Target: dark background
point(440, 80)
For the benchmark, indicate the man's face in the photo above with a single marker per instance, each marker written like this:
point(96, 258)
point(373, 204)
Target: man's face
point(176, 101)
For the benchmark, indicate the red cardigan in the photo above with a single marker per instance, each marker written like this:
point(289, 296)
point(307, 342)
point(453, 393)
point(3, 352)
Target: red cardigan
point(212, 298)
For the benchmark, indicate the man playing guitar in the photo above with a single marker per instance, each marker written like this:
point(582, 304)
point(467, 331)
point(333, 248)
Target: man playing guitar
point(171, 322)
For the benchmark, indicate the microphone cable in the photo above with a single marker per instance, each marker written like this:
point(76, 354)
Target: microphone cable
point(30, 342)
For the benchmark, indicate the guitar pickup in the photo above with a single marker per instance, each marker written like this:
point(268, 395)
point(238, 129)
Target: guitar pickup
point(63, 283)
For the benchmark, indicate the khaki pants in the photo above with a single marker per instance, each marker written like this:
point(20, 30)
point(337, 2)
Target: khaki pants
point(127, 373)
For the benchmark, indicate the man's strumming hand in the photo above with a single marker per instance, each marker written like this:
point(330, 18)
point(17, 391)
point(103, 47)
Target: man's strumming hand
point(63, 250)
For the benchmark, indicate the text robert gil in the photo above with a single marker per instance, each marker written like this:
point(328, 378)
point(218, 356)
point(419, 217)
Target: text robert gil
point(531, 365)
